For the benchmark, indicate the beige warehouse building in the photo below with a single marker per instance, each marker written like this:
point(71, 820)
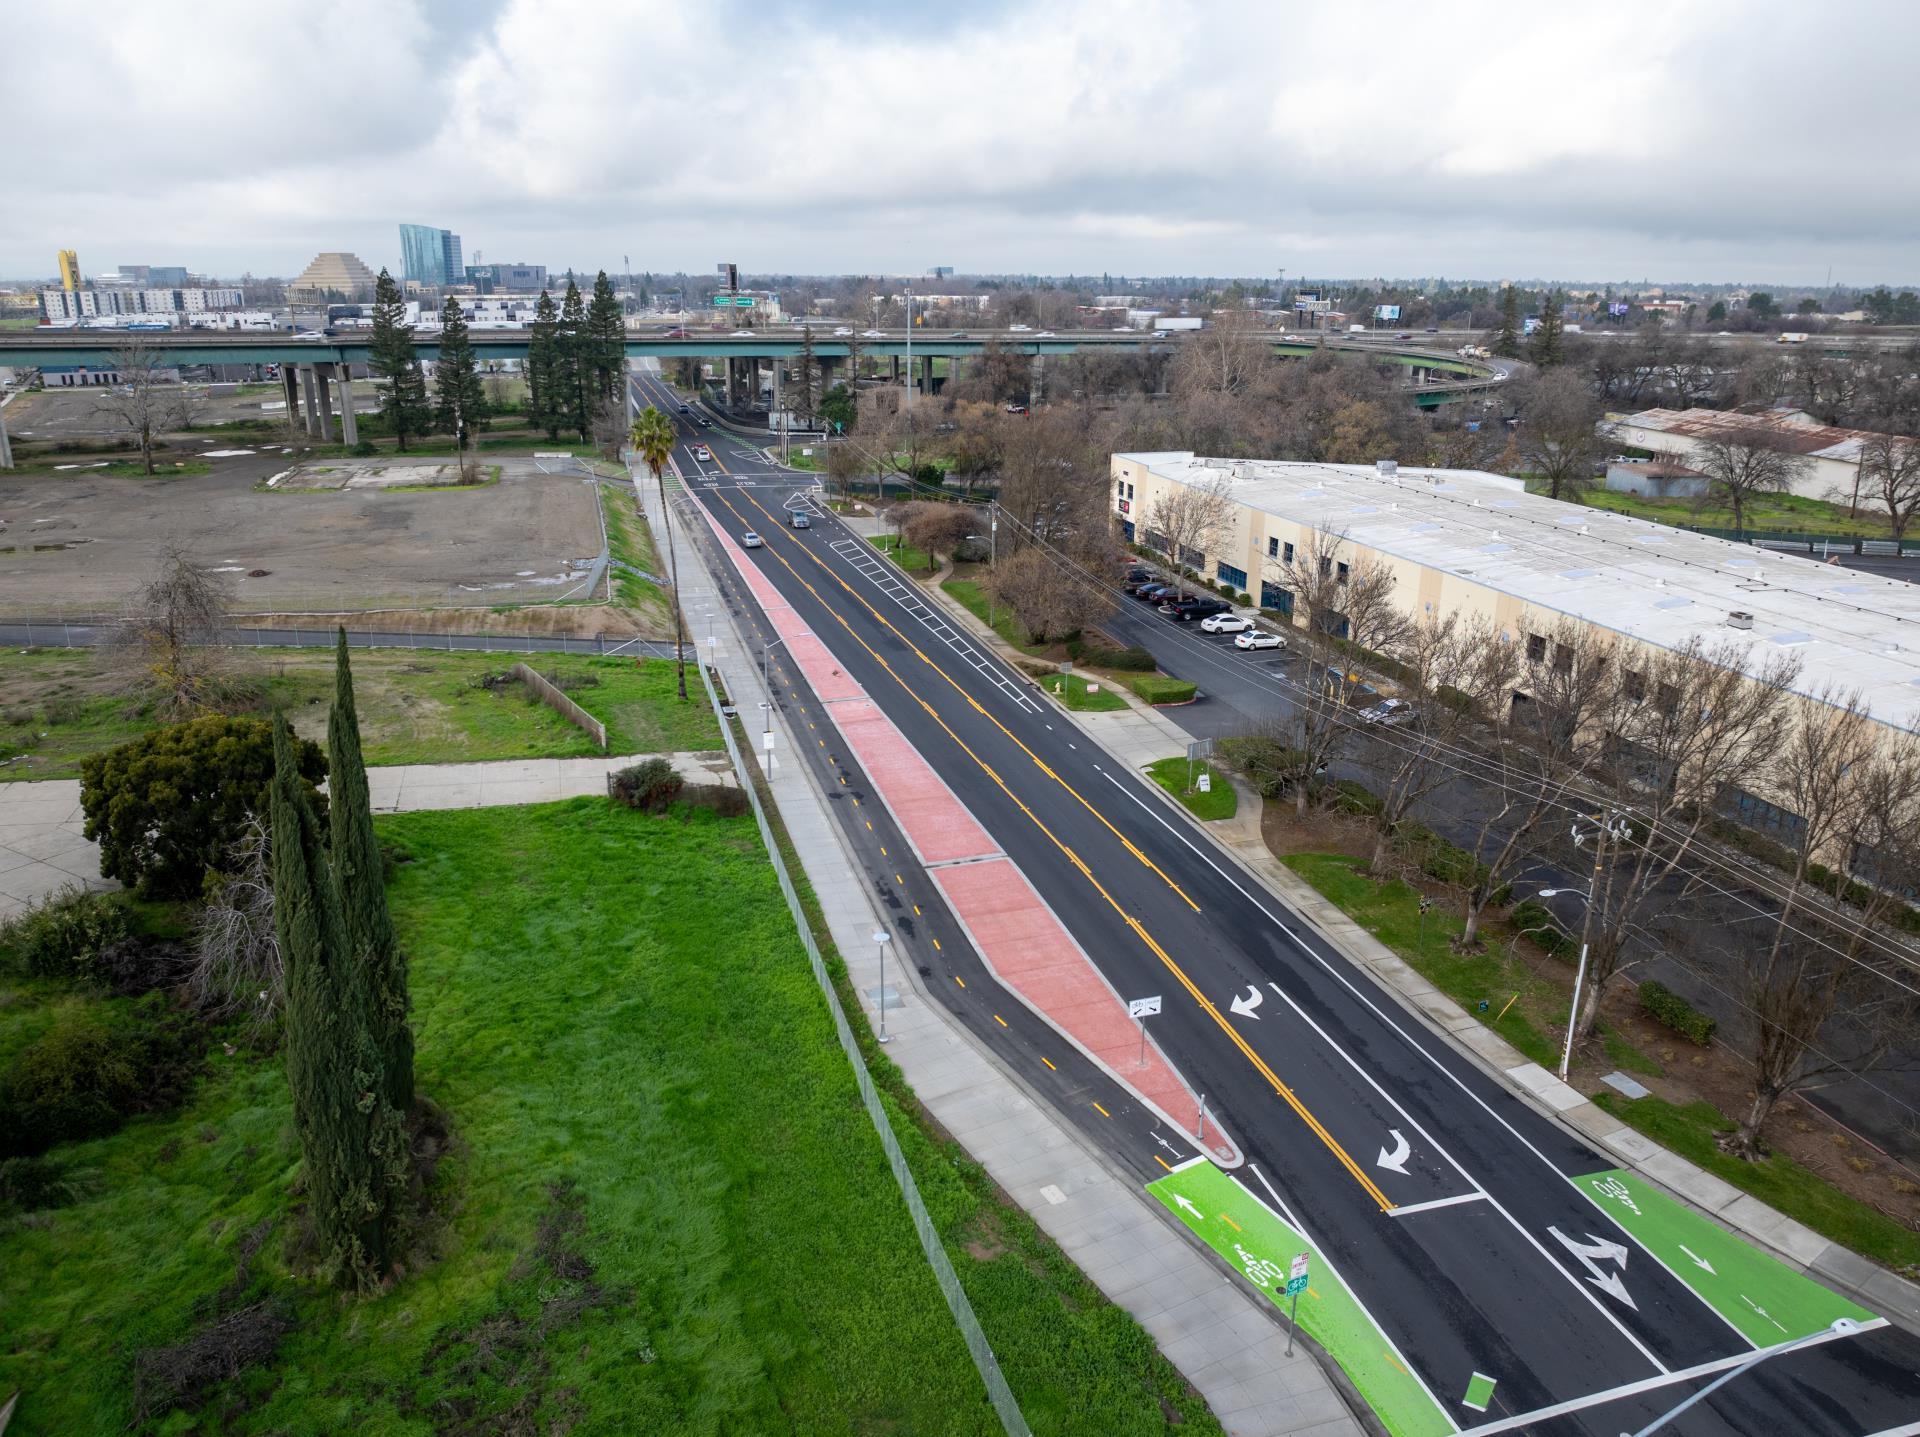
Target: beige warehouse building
point(1478, 543)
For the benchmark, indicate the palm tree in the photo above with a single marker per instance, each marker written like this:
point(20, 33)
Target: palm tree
point(653, 439)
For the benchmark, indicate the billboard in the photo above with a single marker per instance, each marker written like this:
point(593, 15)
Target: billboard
point(1307, 304)
point(1618, 308)
point(1387, 312)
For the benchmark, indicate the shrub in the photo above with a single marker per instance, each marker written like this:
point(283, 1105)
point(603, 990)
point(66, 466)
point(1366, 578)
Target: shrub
point(1159, 689)
point(96, 1065)
point(1670, 1010)
point(1447, 862)
point(648, 786)
point(364, 448)
point(1267, 764)
point(36, 1184)
point(166, 808)
point(132, 966)
point(1097, 653)
point(63, 935)
point(1534, 920)
point(1355, 798)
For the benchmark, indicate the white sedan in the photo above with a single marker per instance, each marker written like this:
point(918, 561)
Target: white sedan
point(1258, 639)
point(751, 540)
point(873, 334)
point(842, 333)
point(1224, 624)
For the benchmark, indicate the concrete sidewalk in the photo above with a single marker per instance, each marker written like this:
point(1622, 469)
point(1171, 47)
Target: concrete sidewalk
point(1141, 734)
point(43, 847)
point(1225, 1340)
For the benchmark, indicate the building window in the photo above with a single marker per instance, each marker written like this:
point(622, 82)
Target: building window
point(1340, 573)
point(1286, 553)
point(1194, 559)
point(1768, 818)
point(1230, 575)
point(1126, 527)
point(1633, 683)
point(1326, 566)
point(1563, 658)
point(1273, 548)
point(1155, 540)
point(1120, 488)
point(1536, 648)
point(1666, 698)
point(1129, 491)
point(1276, 599)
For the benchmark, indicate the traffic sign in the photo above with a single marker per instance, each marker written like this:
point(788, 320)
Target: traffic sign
point(1298, 1268)
point(1143, 1007)
point(1296, 1286)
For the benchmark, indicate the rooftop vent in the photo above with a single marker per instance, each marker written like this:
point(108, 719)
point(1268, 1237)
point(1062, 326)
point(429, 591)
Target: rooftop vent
point(1739, 619)
point(1386, 468)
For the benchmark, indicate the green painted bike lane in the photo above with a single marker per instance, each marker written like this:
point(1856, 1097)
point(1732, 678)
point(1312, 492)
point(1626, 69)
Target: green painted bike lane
point(1260, 1246)
point(1764, 1299)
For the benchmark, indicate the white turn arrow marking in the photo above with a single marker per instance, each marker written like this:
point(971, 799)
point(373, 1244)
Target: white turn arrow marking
point(1699, 1261)
point(1593, 1252)
point(1243, 1007)
point(1397, 1159)
point(1187, 1205)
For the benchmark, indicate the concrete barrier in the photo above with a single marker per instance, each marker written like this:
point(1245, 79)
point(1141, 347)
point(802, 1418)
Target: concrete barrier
point(562, 705)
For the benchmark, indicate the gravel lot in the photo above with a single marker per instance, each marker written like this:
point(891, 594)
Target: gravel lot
point(76, 543)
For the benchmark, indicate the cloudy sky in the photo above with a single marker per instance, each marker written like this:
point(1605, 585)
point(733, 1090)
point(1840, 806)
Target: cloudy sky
point(1684, 139)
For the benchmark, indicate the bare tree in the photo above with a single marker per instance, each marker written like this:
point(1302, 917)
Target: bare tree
point(236, 967)
point(1227, 357)
point(1683, 726)
point(935, 528)
point(1556, 435)
point(1890, 472)
point(609, 429)
point(1454, 672)
point(1344, 608)
point(1743, 464)
point(1052, 598)
point(147, 400)
point(169, 634)
point(1184, 521)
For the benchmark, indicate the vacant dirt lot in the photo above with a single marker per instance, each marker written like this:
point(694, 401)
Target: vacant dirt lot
point(57, 414)
point(77, 543)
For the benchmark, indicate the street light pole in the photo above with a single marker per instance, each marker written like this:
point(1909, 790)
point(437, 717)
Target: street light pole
point(1841, 1327)
point(881, 937)
point(909, 293)
point(766, 681)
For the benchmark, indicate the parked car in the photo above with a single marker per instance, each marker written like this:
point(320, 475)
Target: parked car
point(1252, 638)
point(1390, 713)
point(1153, 591)
point(1226, 623)
point(799, 520)
point(751, 540)
point(1133, 586)
point(1185, 611)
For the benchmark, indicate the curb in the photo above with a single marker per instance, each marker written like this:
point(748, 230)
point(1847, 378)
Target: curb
point(1799, 1247)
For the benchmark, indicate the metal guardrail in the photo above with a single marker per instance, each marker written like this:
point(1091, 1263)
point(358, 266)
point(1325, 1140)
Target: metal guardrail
point(998, 1392)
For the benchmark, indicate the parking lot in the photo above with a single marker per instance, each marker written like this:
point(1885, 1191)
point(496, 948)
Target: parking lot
point(76, 542)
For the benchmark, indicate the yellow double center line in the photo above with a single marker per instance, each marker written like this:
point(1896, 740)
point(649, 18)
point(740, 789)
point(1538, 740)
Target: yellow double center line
point(1286, 1093)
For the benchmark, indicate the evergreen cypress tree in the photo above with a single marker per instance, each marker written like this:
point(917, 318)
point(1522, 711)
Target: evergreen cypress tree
point(404, 401)
point(606, 340)
point(352, 1142)
point(573, 391)
point(543, 368)
point(1547, 349)
point(1507, 344)
point(363, 893)
point(806, 381)
point(463, 402)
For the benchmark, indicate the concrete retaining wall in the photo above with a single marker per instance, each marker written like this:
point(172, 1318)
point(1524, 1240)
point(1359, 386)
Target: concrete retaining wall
point(563, 705)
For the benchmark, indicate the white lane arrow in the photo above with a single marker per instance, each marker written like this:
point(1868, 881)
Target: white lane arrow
point(1243, 1007)
point(1591, 1253)
point(1698, 1260)
point(1179, 1198)
point(1397, 1159)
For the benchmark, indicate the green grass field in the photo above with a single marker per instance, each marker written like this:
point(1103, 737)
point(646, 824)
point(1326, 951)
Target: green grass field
point(662, 1210)
point(1072, 691)
point(1220, 800)
point(1481, 982)
point(914, 561)
point(1780, 1182)
point(416, 706)
point(79, 466)
point(629, 540)
point(973, 598)
point(1789, 513)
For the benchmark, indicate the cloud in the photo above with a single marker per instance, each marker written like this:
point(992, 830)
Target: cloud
point(1371, 136)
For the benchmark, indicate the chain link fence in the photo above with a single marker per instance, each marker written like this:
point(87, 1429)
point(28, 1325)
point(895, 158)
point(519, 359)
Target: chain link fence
point(92, 633)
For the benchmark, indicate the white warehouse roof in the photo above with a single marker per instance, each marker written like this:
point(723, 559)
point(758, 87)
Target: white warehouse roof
point(1654, 583)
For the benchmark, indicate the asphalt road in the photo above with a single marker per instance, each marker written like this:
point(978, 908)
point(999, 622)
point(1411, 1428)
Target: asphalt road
point(1464, 1258)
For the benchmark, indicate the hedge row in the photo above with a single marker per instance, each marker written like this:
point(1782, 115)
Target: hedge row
point(1159, 689)
point(1670, 1010)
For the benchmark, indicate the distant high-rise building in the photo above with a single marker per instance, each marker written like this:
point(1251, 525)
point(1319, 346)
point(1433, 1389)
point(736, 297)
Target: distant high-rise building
point(430, 256)
point(488, 278)
point(69, 270)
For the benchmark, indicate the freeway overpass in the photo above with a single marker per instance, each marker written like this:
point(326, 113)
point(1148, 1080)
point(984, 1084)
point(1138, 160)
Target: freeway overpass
point(1438, 375)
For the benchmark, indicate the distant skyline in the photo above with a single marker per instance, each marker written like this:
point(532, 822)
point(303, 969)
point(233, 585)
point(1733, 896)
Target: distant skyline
point(1700, 141)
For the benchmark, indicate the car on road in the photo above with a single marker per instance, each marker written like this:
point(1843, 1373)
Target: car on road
point(1390, 713)
point(704, 422)
point(1185, 611)
point(1016, 409)
point(1404, 334)
point(751, 540)
point(842, 332)
point(1226, 623)
point(741, 334)
point(702, 453)
point(873, 334)
point(675, 334)
point(799, 520)
point(1019, 329)
point(1046, 334)
point(686, 409)
point(1252, 638)
point(958, 334)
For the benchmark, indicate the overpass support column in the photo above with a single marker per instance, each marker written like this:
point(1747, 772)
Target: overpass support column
point(349, 426)
point(313, 409)
point(6, 445)
point(926, 372)
point(290, 385)
point(774, 406)
point(895, 363)
point(1036, 380)
point(733, 382)
point(323, 381)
